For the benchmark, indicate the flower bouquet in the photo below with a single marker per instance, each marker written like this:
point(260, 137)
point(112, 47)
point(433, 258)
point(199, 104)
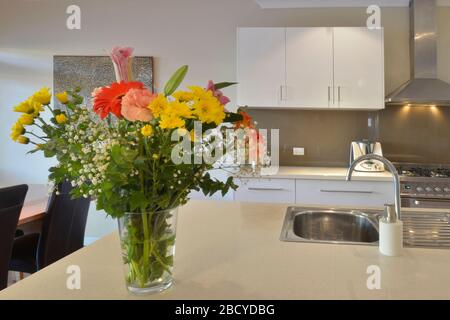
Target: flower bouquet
point(138, 154)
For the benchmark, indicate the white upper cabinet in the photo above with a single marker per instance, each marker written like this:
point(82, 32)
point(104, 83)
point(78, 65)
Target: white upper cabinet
point(261, 63)
point(309, 67)
point(359, 68)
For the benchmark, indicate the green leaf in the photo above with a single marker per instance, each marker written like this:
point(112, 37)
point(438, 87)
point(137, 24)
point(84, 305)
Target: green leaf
point(222, 85)
point(138, 200)
point(49, 153)
point(116, 154)
point(34, 150)
point(129, 154)
point(233, 117)
point(175, 81)
point(140, 161)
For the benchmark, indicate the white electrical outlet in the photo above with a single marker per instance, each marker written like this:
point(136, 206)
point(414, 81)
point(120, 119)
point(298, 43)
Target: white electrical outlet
point(298, 151)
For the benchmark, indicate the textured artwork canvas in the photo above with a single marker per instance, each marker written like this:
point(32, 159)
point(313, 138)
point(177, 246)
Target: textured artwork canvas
point(89, 72)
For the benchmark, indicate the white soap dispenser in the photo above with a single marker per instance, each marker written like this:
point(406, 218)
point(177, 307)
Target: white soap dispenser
point(391, 233)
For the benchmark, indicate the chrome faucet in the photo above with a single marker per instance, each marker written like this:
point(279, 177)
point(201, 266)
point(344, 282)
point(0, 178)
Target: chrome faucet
point(391, 168)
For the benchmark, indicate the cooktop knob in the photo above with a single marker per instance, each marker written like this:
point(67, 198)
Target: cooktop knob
point(437, 189)
point(419, 189)
point(446, 189)
point(429, 189)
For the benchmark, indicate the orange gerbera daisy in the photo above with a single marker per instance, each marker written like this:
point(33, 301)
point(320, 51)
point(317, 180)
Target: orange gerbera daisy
point(109, 99)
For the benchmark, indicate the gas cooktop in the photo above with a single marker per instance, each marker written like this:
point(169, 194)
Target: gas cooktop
point(423, 171)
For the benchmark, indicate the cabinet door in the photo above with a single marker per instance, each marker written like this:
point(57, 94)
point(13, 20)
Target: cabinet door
point(261, 63)
point(309, 67)
point(359, 68)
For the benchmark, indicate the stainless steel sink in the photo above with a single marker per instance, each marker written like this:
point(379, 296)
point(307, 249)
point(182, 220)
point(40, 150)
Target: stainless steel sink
point(330, 226)
point(348, 226)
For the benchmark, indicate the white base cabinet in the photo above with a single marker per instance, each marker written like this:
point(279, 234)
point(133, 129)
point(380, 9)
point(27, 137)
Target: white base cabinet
point(344, 193)
point(315, 192)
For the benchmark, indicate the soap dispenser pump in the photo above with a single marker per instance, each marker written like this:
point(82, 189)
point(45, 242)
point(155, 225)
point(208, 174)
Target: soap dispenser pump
point(391, 232)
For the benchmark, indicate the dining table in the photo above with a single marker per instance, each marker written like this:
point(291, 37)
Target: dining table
point(35, 205)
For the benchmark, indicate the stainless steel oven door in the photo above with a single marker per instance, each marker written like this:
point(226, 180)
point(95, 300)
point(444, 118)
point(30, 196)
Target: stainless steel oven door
point(425, 203)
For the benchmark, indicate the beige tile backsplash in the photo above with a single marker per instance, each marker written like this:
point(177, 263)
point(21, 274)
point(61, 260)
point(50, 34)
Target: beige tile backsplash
point(415, 134)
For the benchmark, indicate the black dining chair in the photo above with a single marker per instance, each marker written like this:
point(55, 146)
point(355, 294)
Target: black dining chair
point(11, 202)
point(63, 228)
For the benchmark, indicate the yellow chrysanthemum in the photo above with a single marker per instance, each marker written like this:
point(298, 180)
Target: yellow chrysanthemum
point(62, 97)
point(24, 107)
point(209, 111)
point(147, 130)
point(37, 107)
point(17, 130)
point(183, 96)
point(61, 118)
point(200, 93)
point(26, 119)
point(170, 121)
point(173, 115)
point(42, 96)
point(180, 109)
point(23, 140)
point(158, 105)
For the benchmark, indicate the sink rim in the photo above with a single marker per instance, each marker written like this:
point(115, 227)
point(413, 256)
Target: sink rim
point(287, 231)
point(412, 220)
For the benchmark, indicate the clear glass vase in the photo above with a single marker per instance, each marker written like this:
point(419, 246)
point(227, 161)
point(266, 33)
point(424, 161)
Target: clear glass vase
point(148, 247)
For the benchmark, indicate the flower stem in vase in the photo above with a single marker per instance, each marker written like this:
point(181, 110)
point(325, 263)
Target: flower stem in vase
point(148, 246)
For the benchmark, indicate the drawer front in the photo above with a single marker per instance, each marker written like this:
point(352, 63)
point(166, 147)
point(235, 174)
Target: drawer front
point(353, 193)
point(265, 190)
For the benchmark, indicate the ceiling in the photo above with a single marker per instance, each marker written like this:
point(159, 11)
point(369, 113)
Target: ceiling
point(268, 4)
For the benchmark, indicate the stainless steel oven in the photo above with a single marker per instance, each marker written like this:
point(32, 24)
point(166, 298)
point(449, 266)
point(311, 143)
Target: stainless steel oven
point(425, 186)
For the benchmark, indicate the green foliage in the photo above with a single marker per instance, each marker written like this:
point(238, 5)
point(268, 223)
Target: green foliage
point(222, 85)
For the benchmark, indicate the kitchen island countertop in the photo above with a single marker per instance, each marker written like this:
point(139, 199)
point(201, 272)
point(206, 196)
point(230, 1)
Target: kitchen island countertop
point(324, 173)
point(231, 250)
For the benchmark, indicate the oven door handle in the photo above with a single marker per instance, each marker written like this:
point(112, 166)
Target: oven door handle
point(426, 203)
point(420, 201)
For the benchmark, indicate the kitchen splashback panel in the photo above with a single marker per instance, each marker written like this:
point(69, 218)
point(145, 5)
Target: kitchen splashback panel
point(325, 135)
point(416, 134)
point(419, 134)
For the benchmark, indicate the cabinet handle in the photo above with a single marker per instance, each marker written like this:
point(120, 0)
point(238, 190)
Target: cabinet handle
point(339, 93)
point(264, 189)
point(282, 93)
point(329, 95)
point(346, 191)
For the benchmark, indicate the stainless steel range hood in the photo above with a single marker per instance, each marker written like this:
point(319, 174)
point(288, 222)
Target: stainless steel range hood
point(425, 88)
